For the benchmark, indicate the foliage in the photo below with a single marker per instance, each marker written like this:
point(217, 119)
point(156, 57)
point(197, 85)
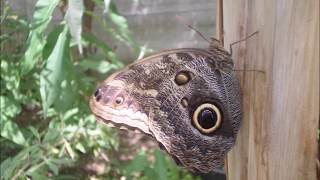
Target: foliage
point(46, 127)
point(161, 169)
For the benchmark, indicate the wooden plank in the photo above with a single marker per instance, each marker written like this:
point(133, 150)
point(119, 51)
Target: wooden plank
point(219, 20)
point(278, 138)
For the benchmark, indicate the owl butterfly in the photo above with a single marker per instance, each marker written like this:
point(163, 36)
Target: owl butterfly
point(187, 99)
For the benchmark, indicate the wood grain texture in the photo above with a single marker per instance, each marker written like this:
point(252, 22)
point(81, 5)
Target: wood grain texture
point(219, 20)
point(278, 138)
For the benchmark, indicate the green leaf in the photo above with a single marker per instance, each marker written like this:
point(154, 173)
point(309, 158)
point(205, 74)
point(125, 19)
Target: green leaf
point(53, 74)
point(122, 28)
point(160, 165)
point(80, 147)
point(38, 175)
point(10, 129)
point(106, 5)
point(62, 161)
point(52, 166)
point(74, 20)
point(69, 149)
point(36, 40)
point(52, 40)
point(11, 165)
point(35, 132)
point(9, 76)
point(66, 97)
point(4, 13)
point(70, 113)
point(150, 173)
point(52, 136)
point(107, 51)
point(174, 170)
point(93, 39)
point(98, 65)
point(9, 107)
point(35, 170)
point(6, 169)
point(68, 177)
point(139, 163)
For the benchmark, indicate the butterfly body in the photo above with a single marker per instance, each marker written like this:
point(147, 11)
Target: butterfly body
point(187, 99)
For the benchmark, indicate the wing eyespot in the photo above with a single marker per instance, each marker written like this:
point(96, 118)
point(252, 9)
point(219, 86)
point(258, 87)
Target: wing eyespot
point(207, 118)
point(119, 100)
point(98, 94)
point(182, 77)
point(184, 102)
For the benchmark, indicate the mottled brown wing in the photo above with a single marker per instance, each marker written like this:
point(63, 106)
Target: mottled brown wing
point(187, 99)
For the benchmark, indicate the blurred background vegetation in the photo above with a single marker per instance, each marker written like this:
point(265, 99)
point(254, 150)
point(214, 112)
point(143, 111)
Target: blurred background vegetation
point(48, 72)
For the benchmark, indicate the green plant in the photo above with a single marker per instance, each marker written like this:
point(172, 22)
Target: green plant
point(47, 130)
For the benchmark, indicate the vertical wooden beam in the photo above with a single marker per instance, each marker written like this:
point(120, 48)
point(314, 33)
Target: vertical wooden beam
point(219, 20)
point(278, 137)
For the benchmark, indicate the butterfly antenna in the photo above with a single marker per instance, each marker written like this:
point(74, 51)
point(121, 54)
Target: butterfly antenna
point(246, 38)
point(234, 43)
point(184, 21)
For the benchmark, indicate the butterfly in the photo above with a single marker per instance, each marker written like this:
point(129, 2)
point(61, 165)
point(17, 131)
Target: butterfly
point(187, 99)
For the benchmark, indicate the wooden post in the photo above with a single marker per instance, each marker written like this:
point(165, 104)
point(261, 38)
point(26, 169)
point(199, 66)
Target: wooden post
point(219, 21)
point(278, 137)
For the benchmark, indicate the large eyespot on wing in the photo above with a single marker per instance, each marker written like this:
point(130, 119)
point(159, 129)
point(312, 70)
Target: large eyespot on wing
point(207, 118)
